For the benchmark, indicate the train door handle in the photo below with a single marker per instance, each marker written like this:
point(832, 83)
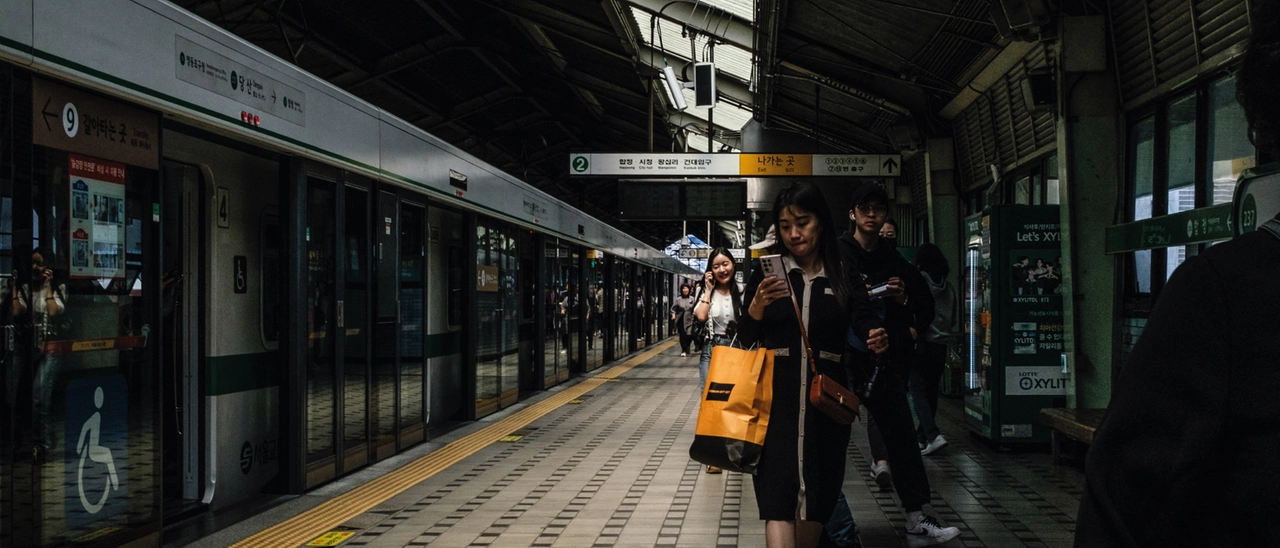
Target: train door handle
point(342, 315)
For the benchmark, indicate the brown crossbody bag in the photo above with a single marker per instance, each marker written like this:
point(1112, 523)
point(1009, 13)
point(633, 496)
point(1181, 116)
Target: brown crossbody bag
point(825, 393)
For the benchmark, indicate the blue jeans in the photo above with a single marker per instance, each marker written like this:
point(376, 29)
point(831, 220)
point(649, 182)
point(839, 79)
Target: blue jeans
point(47, 372)
point(840, 529)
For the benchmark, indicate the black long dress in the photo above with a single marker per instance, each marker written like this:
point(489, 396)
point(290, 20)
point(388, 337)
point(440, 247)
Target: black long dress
point(792, 483)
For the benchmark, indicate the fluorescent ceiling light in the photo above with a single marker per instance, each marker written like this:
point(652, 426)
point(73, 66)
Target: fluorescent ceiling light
point(731, 60)
point(740, 8)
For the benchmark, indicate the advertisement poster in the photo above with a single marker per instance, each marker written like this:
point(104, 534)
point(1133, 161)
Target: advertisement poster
point(97, 218)
point(1012, 288)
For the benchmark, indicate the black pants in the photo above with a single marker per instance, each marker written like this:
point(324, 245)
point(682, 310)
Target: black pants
point(685, 339)
point(892, 415)
point(925, 376)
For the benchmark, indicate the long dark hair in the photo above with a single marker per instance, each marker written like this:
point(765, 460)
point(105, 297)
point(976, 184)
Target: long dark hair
point(806, 196)
point(931, 261)
point(733, 284)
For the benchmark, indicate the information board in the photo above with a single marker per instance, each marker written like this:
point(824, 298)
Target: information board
point(97, 224)
point(1257, 197)
point(715, 201)
point(639, 200)
point(648, 201)
point(202, 67)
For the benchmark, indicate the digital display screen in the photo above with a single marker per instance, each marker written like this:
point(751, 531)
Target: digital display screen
point(701, 201)
point(716, 201)
point(648, 201)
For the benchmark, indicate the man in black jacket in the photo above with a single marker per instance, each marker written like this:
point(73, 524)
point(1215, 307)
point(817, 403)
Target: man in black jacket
point(1185, 455)
point(907, 306)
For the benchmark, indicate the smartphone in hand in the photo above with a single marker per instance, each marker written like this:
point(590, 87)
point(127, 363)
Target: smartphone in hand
point(878, 289)
point(772, 265)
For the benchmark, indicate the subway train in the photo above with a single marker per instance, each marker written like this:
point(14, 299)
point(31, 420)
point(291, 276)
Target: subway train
point(230, 279)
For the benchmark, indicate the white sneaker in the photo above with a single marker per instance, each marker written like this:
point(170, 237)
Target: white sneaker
point(882, 475)
point(925, 530)
point(937, 443)
point(684, 355)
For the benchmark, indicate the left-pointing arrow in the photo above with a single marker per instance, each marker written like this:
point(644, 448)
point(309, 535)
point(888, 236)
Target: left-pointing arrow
point(47, 114)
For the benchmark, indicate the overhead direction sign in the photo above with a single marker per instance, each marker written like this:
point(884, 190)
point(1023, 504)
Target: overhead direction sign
point(786, 165)
point(674, 164)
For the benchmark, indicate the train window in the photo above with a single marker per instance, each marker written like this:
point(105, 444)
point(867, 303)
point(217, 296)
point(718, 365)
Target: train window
point(456, 287)
point(271, 288)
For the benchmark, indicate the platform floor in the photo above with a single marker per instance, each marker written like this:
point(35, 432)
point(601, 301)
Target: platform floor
point(611, 468)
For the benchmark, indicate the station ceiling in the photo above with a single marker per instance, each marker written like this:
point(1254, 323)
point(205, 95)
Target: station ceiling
point(521, 83)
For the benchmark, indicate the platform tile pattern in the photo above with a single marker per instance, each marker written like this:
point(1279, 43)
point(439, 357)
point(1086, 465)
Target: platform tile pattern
point(614, 471)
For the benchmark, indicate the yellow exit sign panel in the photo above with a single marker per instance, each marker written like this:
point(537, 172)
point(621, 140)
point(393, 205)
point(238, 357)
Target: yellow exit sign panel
point(775, 164)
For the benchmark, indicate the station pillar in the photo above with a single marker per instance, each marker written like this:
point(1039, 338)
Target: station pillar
point(1089, 136)
point(944, 203)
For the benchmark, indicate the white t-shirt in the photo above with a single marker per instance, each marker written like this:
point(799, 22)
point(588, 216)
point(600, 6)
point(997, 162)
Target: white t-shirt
point(721, 312)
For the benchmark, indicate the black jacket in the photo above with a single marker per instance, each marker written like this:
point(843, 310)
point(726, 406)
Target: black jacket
point(1186, 453)
point(878, 266)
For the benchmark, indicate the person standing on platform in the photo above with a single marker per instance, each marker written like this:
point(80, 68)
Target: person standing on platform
point(931, 349)
point(889, 234)
point(907, 307)
point(1185, 454)
point(802, 464)
point(682, 315)
point(719, 306)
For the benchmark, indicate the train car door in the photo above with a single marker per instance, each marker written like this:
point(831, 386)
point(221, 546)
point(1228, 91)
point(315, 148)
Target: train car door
point(412, 278)
point(322, 406)
point(497, 329)
point(341, 405)
point(357, 288)
point(384, 392)
point(179, 334)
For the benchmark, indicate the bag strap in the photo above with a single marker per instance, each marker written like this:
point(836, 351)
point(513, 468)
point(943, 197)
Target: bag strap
point(1272, 226)
point(804, 333)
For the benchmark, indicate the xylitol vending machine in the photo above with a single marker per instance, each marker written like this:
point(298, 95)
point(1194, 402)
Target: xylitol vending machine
point(1011, 293)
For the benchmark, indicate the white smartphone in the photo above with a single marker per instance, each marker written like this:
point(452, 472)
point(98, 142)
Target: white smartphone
point(772, 265)
point(878, 289)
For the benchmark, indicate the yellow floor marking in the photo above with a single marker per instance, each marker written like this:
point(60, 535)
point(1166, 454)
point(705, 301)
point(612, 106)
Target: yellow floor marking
point(332, 538)
point(510, 438)
point(308, 525)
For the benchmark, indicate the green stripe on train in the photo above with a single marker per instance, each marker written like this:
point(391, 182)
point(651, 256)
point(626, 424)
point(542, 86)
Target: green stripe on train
point(243, 372)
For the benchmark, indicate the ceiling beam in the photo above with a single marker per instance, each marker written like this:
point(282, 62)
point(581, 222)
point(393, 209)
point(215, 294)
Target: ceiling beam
point(704, 18)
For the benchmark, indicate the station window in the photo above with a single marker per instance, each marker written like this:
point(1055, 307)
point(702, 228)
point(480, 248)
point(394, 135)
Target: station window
point(1183, 153)
point(1035, 183)
point(1227, 149)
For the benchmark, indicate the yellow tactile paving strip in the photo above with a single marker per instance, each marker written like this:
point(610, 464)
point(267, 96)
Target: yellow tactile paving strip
point(317, 521)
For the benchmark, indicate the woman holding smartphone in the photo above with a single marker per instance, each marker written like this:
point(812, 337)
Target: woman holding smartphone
point(802, 465)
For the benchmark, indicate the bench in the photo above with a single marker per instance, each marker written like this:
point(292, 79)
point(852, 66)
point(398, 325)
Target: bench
point(1077, 424)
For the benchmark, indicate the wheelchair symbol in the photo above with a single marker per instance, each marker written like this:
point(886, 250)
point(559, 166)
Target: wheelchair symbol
point(90, 449)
